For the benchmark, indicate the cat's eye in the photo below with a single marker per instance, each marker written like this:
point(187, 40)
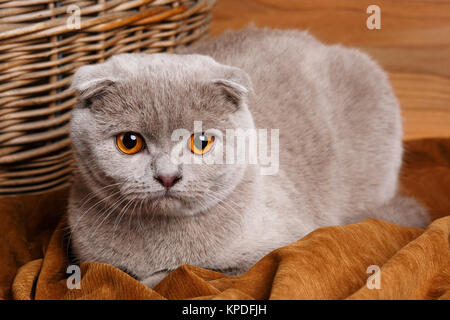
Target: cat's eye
point(129, 142)
point(201, 143)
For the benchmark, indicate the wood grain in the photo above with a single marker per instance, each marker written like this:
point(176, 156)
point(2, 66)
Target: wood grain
point(413, 45)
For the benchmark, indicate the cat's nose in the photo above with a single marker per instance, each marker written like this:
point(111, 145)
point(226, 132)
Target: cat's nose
point(168, 181)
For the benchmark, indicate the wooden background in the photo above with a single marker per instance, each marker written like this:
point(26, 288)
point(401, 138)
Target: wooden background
point(413, 45)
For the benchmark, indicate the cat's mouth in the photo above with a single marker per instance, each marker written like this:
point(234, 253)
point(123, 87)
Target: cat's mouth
point(161, 195)
point(170, 203)
point(167, 203)
point(168, 195)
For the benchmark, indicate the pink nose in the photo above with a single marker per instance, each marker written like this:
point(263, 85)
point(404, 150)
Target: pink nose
point(168, 181)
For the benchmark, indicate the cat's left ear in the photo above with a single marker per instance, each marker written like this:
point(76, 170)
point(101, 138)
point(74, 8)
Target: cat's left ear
point(235, 85)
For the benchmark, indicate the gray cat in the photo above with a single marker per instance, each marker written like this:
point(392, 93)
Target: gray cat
point(135, 206)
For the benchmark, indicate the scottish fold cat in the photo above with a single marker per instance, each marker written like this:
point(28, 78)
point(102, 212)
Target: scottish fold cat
point(157, 184)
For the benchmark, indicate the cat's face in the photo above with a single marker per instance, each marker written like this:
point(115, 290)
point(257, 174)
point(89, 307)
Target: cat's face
point(137, 137)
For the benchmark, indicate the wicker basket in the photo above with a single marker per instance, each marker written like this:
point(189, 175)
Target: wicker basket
point(40, 51)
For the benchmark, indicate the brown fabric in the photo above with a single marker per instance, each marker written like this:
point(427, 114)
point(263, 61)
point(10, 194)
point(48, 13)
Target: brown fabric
point(329, 263)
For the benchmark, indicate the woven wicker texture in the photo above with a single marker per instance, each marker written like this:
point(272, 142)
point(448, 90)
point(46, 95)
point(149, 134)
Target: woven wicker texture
point(41, 46)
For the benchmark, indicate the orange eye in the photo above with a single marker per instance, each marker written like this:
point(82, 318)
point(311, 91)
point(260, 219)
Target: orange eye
point(201, 143)
point(129, 142)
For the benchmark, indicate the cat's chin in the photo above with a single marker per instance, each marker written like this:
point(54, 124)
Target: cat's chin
point(166, 205)
point(170, 206)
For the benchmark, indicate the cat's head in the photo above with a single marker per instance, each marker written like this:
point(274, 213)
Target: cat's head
point(136, 114)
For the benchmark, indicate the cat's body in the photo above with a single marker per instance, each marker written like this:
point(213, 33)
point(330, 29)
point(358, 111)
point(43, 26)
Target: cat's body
point(340, 152)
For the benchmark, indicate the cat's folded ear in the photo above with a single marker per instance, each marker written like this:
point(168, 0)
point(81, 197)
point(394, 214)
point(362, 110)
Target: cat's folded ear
point(235, 84)
point(90, 83)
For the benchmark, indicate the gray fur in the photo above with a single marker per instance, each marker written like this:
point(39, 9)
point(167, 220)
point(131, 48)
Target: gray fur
point(340, 152)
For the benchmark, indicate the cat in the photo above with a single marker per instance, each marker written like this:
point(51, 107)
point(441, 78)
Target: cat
point(339, 152)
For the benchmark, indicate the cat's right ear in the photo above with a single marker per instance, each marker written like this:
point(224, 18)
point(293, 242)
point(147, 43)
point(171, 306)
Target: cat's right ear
point(234, 84)
point(89, 84)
